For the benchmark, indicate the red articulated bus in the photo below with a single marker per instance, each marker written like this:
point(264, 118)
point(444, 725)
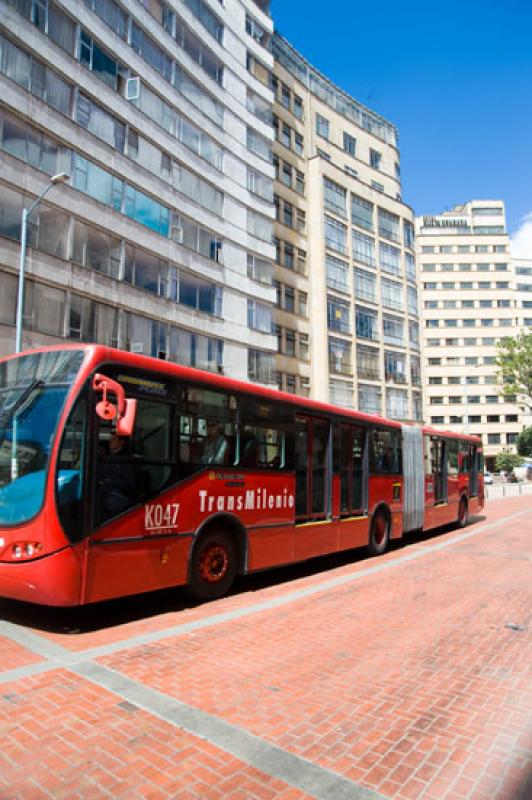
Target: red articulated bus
point(122, 474)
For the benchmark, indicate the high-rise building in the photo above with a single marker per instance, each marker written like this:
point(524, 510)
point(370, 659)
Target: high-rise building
point(469, 305)
point(155, 242)
point(347, 305)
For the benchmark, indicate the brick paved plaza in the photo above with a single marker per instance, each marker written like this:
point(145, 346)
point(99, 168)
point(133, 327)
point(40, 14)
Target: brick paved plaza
point(406, 676)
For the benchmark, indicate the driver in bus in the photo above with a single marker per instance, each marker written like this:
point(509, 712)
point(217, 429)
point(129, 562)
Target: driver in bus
point(116, 478)
point(214, 444)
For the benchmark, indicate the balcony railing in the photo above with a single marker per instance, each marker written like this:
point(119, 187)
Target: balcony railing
point(372, 374)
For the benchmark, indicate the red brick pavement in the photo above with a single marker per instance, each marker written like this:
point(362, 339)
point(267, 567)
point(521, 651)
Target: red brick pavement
point(13, 655)
point(63, 737)
point(407, 681)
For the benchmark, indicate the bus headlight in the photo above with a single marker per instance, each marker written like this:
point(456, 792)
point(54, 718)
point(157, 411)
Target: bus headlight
point(22, 550)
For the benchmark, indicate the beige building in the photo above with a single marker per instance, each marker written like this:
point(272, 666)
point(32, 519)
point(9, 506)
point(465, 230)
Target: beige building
point(347, 305)
point(469, 304)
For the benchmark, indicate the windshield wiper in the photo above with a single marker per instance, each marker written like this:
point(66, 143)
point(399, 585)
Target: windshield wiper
point(10, 412)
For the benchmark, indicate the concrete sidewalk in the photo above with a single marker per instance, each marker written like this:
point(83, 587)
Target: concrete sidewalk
point(404, 676)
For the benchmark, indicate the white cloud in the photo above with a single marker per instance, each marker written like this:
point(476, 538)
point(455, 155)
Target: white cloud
point(521, 241)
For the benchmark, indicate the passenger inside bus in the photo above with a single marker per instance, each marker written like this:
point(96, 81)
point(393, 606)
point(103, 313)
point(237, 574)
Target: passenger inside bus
point(249, 447)
point(214, 444)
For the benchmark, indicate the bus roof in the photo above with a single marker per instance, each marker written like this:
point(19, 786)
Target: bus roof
point(101, 353)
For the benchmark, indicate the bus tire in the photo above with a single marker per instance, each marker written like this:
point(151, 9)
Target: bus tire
point(213, 565)
point(463, 513)
point(379, 535)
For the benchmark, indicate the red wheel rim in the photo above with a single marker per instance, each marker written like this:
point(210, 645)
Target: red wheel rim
point(213, 563)
point(380, 530)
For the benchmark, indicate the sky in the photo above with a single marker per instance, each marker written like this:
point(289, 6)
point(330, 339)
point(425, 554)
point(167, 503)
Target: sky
point(454, 77)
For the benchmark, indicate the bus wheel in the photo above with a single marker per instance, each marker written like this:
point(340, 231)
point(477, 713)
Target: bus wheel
point(380, 533)
point(213, 566)
point(463, 514)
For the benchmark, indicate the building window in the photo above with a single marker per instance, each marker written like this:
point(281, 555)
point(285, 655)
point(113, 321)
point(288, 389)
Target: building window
point(339, 356)
point(410, 267)
point(375, 158)
point(393, 330)
point(259, 269)
point(290, 343)
point(259, 316)
point(361, 212)
point(336, 273)
point(366, 324)
point(335, 235)
point(396, 404)
point(390, 258)
point(349, 144)
point(369, 399)
point(392, 294)
point(368, 363)
point(388, 225)
point(413, 329)
point(408, 234)
point(322, 126)
point(303, 346)
point(261, 367)
point(363, 248)
point(337, 315)
point(334, 197)
point(394, 367)
point(365, 285)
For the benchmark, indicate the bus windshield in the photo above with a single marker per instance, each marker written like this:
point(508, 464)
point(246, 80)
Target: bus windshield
point(33, 389)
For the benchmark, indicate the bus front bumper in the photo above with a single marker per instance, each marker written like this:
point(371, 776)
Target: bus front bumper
point(52, 580)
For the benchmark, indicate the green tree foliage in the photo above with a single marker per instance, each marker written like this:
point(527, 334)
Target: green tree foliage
point(507, 460)
point(514, 359)
point(524, 442)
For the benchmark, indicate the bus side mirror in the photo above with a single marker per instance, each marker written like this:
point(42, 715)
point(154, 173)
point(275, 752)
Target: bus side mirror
point(125, 409)
point(125, 423)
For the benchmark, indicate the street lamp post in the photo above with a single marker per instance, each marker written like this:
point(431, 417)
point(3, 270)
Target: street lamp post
point(61, 177)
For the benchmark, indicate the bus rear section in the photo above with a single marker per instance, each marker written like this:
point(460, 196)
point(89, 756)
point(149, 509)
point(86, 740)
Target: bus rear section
point(443, 478)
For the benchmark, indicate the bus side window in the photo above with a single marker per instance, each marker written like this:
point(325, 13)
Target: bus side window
point(266, 435)
point(207, 429)
point(151, 445)
point(452, 456)
point(386, 453)
point(428, 455)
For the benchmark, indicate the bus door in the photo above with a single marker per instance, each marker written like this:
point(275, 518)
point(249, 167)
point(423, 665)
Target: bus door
point(126, 553)
point(315, 534)
point(439, 471)
point(350, 447)
point(312, 472)
point(473, 471)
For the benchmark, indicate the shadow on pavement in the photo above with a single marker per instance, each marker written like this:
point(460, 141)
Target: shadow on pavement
point(112, 613)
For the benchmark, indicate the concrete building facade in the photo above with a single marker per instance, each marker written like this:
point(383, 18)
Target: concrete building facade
point(156, 242)
point(468, 293)
point(345, 258)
